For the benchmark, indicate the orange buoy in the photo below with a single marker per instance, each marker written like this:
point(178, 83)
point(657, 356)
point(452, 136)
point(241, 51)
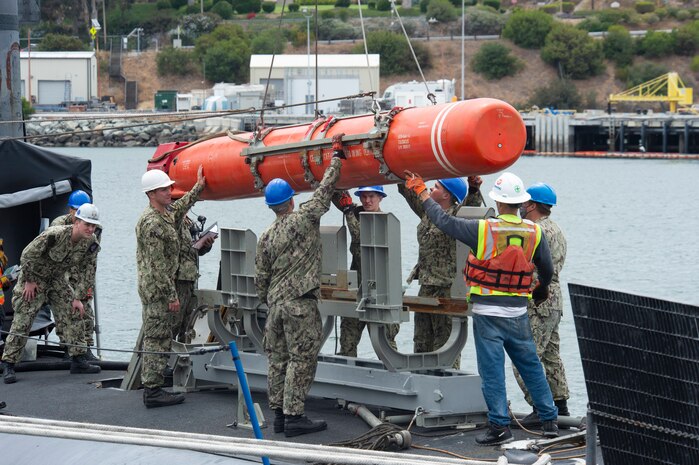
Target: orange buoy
point(471, 137)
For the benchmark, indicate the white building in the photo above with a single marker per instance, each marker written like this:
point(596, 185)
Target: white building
point(58, 76)
point(294, 78)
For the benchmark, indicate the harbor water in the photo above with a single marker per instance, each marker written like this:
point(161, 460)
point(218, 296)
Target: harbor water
point(624, 221)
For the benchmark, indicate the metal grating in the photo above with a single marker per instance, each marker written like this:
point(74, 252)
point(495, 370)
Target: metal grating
point(640, 358)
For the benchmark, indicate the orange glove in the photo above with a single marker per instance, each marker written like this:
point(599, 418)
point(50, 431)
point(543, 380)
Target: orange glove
point(338, 149)
point(415, 183)
point(345, 202)
point(474, 182)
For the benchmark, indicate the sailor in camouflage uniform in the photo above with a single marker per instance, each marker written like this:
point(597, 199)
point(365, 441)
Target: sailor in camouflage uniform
point(370, 197)
point(288, 264)
point(187, 275)
point(76, 199)
point(436, 266)
point(545, 318)
point(46, 264)
point(157, 258)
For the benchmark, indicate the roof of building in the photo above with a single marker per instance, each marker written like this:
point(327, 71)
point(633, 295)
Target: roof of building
point(58, 55)
point(324, 61)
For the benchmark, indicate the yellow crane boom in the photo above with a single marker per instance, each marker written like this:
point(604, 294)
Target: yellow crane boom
point(666, 88)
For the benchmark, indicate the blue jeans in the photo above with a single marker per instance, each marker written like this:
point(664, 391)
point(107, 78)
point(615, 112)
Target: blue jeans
point(493, 334)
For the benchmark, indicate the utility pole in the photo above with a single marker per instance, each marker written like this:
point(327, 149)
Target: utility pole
point(10, 100)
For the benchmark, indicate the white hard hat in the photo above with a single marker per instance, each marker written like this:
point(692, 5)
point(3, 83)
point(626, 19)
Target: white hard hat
point(89, 214)
point(155, 179)
point(508, 188)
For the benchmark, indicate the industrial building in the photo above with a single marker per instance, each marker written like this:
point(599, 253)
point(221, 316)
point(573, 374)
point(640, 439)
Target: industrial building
point(58, 77)
point(293, 79)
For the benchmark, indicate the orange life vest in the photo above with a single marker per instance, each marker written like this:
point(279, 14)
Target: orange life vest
point(502, 263)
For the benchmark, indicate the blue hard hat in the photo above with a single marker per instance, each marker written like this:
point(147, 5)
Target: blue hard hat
point(277, 192)
point(456, 187)
point(377, 189)
point(542, 193)
point(78, 198)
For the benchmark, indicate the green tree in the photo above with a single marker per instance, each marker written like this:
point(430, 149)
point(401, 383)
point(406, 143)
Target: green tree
point(638, 74)
point(393, 50)
point(223, 9)
point(573, 52)
point(528, 28)
point(441, 10)
point(494, 61)
point(559, 93)
point(268, 42)
point(483, 22)
point(618, 46)
point(656, 44)
point(687, 39)
point(225, 53)
point(61, 43)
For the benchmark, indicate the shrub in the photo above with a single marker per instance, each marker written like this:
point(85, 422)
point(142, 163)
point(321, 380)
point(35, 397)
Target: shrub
point(483, 22)
point(175, 62)
point(343, 14)
point(163, 4)
point(662, 13)
point(223, 9)
point(196, 25)
point(268, 7)
point(383, 5)
point(293, 7)
point(423, 6)
point(394, 50)
point(342, 3)
point(644, 7)
point(560, 93)
point(551, 8)
point(683, 15)
point(372, 5)
point(618, 46)
point(27, 109)
point(268, 42)
point(327, 14)
point(528, 28)
point(656, 44)
point(494, 4)
point(573, 52)
point(494, 61)
point(650, 18)
point(687, 39)
point(244, 7)
point(441, 10)
point(567, 7)
point(333, 29)
point(60, 43)
point(638, 74)
point(695, 64)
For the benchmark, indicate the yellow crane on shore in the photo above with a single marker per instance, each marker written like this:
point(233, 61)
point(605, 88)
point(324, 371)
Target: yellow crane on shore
point(666, 88)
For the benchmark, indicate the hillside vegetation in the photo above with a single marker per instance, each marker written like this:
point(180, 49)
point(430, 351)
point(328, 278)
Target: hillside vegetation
point(544, 56)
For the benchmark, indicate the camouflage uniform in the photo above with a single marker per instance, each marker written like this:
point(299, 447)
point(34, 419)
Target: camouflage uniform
point(351, 328)
point(48, 261)
point(435, 269)
point(545, 318)
point(187, 275)
point(288, 264)
point(157, 258)
point(89, 318)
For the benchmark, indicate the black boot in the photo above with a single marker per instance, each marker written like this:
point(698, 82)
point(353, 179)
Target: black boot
point(279, 420)
point(8, 373)
point(562, 405)
point(157, 397)
point(90, 357)
point(549, 428)
point(79, 365)
point(531, 420)
point(295, 425)
point(495, 435)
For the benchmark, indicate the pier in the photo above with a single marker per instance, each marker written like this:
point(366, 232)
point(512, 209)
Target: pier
point(596, 134)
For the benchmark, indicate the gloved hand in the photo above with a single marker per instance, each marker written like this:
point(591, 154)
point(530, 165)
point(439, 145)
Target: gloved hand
point(4, 282)
point(415, 183)
point(338, 148)
point(474, 182)
point(540, 294)
point(345, 202)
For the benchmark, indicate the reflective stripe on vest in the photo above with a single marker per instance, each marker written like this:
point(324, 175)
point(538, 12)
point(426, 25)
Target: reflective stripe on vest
point(515, 240)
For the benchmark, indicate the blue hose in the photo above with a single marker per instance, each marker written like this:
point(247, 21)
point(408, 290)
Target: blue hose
point(243, 384)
